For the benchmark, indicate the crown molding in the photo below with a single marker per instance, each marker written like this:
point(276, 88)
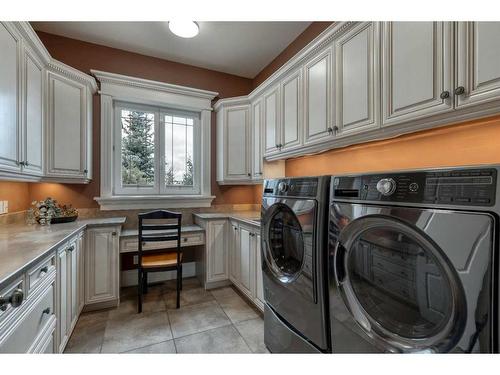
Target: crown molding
point(31, 38)
point(72, 73)
point(237, 100)
point(123, 80)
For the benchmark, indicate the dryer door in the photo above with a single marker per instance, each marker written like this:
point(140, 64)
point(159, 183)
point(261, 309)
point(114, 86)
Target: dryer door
point(404, 284)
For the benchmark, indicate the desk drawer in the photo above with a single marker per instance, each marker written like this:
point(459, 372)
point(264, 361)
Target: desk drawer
point(131, 244)
point(39, 272)
point(22, 332)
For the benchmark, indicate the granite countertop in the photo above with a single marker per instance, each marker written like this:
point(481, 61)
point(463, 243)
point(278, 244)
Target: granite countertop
point(249, 217)
point(190, 228)
point(21, 244)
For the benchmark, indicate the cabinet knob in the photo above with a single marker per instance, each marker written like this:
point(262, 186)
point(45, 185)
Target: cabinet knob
point(113, 234)
point(185, 239)
point(249, 174)
point(71, 248)
point(44, 269)
point(460, 90)
point(21, 163)
point(15, 300)
point(46, 311)
point(445, 95)
point(85, 171)
point(330, 130)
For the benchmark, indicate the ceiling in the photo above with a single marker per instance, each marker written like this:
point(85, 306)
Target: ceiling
point(240, 48)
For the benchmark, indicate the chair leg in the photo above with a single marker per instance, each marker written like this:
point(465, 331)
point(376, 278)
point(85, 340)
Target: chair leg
point(145, 282)
point(178, 289)
point(139, 291)
point(181, 275)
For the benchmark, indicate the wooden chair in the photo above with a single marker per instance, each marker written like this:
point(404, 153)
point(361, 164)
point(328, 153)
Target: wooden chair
point(163, 259)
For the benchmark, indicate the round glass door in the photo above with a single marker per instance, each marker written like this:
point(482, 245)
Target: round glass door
point(285, 244)
point(402, 284)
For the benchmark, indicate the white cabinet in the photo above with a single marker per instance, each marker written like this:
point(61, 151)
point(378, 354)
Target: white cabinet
point(417, 70)
point(68, 127)
point(234, 143)
point(234, 255)
point(257, 140)
point(80, 266)
point(357, 80)
point(246, 250)
point(217, 259)
point(317, 98)
point(259, 284)
point(102, 266)
point(9, 98)
point(32, 114)
point(63, 291)
point(291, 111)
point(272, 120)
point(478, 63)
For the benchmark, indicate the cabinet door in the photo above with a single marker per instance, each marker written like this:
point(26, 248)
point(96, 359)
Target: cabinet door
point(317, 91)
point(32, 115)
point(246, 260)
point(217, 260)
point(73, 272)
point(235, 254)
point(67, 128)
point(272, 120)
point(237, 143)
point(9, 99)
point(291, 110)
point(478, 62)
point(62, 298)
point(81, 269)
point(417, 70)
point(257, 140)
point(101, 265)
point(357, 77)
point(259, 285)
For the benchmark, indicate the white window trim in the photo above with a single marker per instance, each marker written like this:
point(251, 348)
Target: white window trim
point(119, 88)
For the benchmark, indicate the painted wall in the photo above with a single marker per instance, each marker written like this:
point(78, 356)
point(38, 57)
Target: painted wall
point(470, 143)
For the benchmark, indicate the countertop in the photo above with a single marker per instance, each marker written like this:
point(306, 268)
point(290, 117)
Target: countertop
point(248, 217)
point(190, 228)
point(21, 244)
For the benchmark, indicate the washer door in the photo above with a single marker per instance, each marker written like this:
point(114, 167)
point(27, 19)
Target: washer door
point(399, 286)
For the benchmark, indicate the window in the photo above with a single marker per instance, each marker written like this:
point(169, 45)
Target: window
point(156, 150)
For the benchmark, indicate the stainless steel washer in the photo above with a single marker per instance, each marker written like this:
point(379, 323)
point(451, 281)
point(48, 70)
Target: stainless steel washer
point(413, 261)
point(294, 218)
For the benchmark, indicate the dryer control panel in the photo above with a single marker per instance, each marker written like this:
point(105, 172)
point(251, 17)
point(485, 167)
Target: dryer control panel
point(292, 187)
point(468, 187)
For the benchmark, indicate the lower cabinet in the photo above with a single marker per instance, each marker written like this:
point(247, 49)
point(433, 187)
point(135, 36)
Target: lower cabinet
point(245, 265)
point(102, 267)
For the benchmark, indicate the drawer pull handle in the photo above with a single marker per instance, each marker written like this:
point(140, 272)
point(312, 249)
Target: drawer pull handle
point(44, 270)
point(46, 311)
point(71, 248)
point(15, 300)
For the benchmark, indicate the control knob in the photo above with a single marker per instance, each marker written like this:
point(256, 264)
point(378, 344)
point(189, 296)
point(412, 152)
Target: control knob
point(282, 187)
point(386, 186)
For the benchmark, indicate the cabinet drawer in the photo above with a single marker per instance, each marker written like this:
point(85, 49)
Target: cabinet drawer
point(131, 244)
point(18, 283)
point(22, 332)
point(39, 272)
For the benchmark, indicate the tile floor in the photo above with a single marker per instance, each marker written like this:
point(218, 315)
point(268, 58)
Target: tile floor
point(216, 321)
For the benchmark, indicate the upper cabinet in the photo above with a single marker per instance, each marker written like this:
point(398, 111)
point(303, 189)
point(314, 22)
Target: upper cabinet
point(10, 88)
point(291, 111)
point(45, 112)
point(417, 70)
point(357, 80)
point(478, 63)
point(317, 98)
point(257, 139)
point(271, 104)
point(69, 124)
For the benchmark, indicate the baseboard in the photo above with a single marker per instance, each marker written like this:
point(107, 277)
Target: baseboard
point(129, 278)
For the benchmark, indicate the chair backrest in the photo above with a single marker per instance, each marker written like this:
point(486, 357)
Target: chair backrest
point(167, 226)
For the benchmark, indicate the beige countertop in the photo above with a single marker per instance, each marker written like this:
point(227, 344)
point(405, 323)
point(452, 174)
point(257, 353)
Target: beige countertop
point(249, 217)
point(21, 244)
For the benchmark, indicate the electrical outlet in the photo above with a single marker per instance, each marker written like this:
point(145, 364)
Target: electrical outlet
point(2, 205)
point(5, 207)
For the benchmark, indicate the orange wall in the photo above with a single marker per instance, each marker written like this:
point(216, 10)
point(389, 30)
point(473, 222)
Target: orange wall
point(17, 194)
point(470, 143)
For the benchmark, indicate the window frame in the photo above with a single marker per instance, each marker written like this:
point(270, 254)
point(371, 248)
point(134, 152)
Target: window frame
point(159, 187)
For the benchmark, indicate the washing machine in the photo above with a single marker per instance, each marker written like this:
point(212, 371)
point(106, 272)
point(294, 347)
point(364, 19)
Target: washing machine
point(413, 261)
point(294, 253)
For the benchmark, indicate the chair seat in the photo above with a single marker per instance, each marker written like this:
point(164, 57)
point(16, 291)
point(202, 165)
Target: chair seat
point(160, 260)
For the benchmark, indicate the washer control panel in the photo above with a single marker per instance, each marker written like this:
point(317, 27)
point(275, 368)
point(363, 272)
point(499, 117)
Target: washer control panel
point(468, 187)
point(298, 187)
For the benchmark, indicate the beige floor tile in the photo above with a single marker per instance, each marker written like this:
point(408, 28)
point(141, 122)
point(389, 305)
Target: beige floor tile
point(127, 332)
point(220, 340)
point(197, 318)
point(224, 292)
point(252, 332)
point(237, 309)
point(88, 334)
point(188, 297)
point(187, 284)
point(165, 347)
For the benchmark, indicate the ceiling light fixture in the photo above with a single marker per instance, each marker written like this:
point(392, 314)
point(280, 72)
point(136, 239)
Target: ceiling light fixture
point(184, 29)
